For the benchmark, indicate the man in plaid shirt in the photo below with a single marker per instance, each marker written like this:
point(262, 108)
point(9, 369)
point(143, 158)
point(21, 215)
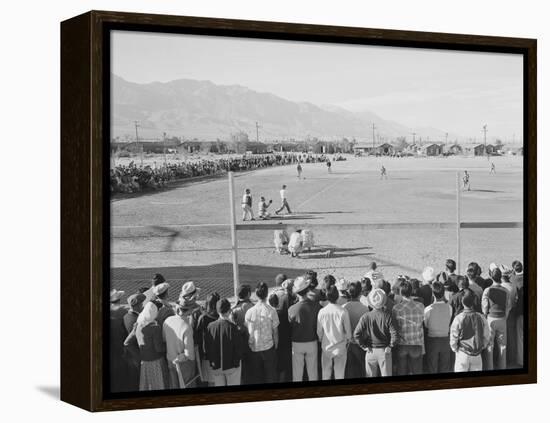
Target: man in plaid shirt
point(409, 317)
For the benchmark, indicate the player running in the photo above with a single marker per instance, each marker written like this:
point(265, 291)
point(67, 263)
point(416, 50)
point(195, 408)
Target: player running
point(299, 170)
point(493, 168)
point(466, 181)
point(246, 205)
point(284, 202)
point(383, 173)
point(329, 164)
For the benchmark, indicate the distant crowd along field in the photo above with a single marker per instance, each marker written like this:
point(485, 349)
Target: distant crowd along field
point(132, 178)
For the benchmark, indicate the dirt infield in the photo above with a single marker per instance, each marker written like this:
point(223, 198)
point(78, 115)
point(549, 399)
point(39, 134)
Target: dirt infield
point(163, 231)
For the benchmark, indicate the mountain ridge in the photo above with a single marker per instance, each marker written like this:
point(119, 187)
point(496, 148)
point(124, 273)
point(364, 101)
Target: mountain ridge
point(207, 111)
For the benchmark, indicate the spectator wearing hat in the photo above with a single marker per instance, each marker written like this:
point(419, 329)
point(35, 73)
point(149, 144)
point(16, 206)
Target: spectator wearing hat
point(223, 347)
point(208, 316)
point(437, 320)
point(180, 349)
point(342, 285)
point(131, 351)
point(117, 334)
point(469, 336)
point(376, 335)
point(302, 317)
point(165, 309)
point(408, 316)
point(262, 322)
point(334, 332)
point(495, 305)
point(425, 290)
point(153, 370)
point(355, 364)
point(192, 310)
point(517, 280)
point(238, 313)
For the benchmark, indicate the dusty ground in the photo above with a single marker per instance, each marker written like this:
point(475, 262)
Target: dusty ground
point(150, 233)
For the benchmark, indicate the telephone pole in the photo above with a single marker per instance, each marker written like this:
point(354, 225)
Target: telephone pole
point(257, 132)
point(485, 140)
point(414, 137)
point(136, 123)
point(373, 128)
point(164, 147)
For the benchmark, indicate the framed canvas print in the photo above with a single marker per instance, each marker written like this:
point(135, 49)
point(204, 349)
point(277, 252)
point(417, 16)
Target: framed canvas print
point(259, 210)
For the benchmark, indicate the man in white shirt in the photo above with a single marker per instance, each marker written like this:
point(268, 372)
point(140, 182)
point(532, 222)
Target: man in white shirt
point(284, 202)
point(334, 332)
point(180, 349)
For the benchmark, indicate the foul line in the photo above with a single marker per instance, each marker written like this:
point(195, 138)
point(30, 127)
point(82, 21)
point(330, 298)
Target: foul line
point(323, 190)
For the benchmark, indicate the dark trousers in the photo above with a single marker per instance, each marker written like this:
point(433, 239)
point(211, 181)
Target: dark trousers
point(438, 355)
point(355, 364)
point(283, 206)
point(409, 360)
point(263, 366)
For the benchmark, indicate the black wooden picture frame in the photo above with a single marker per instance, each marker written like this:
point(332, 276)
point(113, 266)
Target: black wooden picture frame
point(85, 217)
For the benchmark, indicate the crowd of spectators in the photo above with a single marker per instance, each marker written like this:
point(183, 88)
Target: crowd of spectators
point(133, 178)
point(310, 329)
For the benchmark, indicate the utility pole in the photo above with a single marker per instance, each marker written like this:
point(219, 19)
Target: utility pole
point(373, 128)
point(485, 140)
point(164, 147)
point(414, 137)
point(446, 138)
point(136, 123)
point(257, 132)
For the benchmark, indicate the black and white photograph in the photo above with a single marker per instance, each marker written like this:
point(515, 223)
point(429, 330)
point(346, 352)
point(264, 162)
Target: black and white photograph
point(292, 212)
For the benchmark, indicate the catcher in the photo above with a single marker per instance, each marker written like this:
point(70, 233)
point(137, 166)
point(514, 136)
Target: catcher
point(262, 208)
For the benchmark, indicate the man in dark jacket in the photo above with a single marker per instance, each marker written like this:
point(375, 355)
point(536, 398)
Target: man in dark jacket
point(469, 336)
point(376, 334)
point(224, 347)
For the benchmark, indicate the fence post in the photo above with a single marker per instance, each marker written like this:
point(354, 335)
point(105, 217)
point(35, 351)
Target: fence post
point(234, 245)
point(458, 265)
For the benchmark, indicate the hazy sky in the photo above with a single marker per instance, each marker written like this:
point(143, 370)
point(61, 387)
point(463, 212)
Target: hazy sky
point(457, 92)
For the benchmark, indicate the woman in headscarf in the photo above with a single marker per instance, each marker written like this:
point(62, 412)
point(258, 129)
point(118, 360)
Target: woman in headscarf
point(153, 373)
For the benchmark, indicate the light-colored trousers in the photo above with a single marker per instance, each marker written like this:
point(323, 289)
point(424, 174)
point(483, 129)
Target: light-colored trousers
point(378, 363)
point(498, 334)
point(330, 362)
point(304, 351)
point(247, 211)
point(227, 377)
point(468, 363)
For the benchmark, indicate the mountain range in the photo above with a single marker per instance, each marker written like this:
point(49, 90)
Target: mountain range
point(206, 111)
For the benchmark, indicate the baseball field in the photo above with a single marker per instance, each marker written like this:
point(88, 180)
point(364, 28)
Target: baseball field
point(183, 231)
